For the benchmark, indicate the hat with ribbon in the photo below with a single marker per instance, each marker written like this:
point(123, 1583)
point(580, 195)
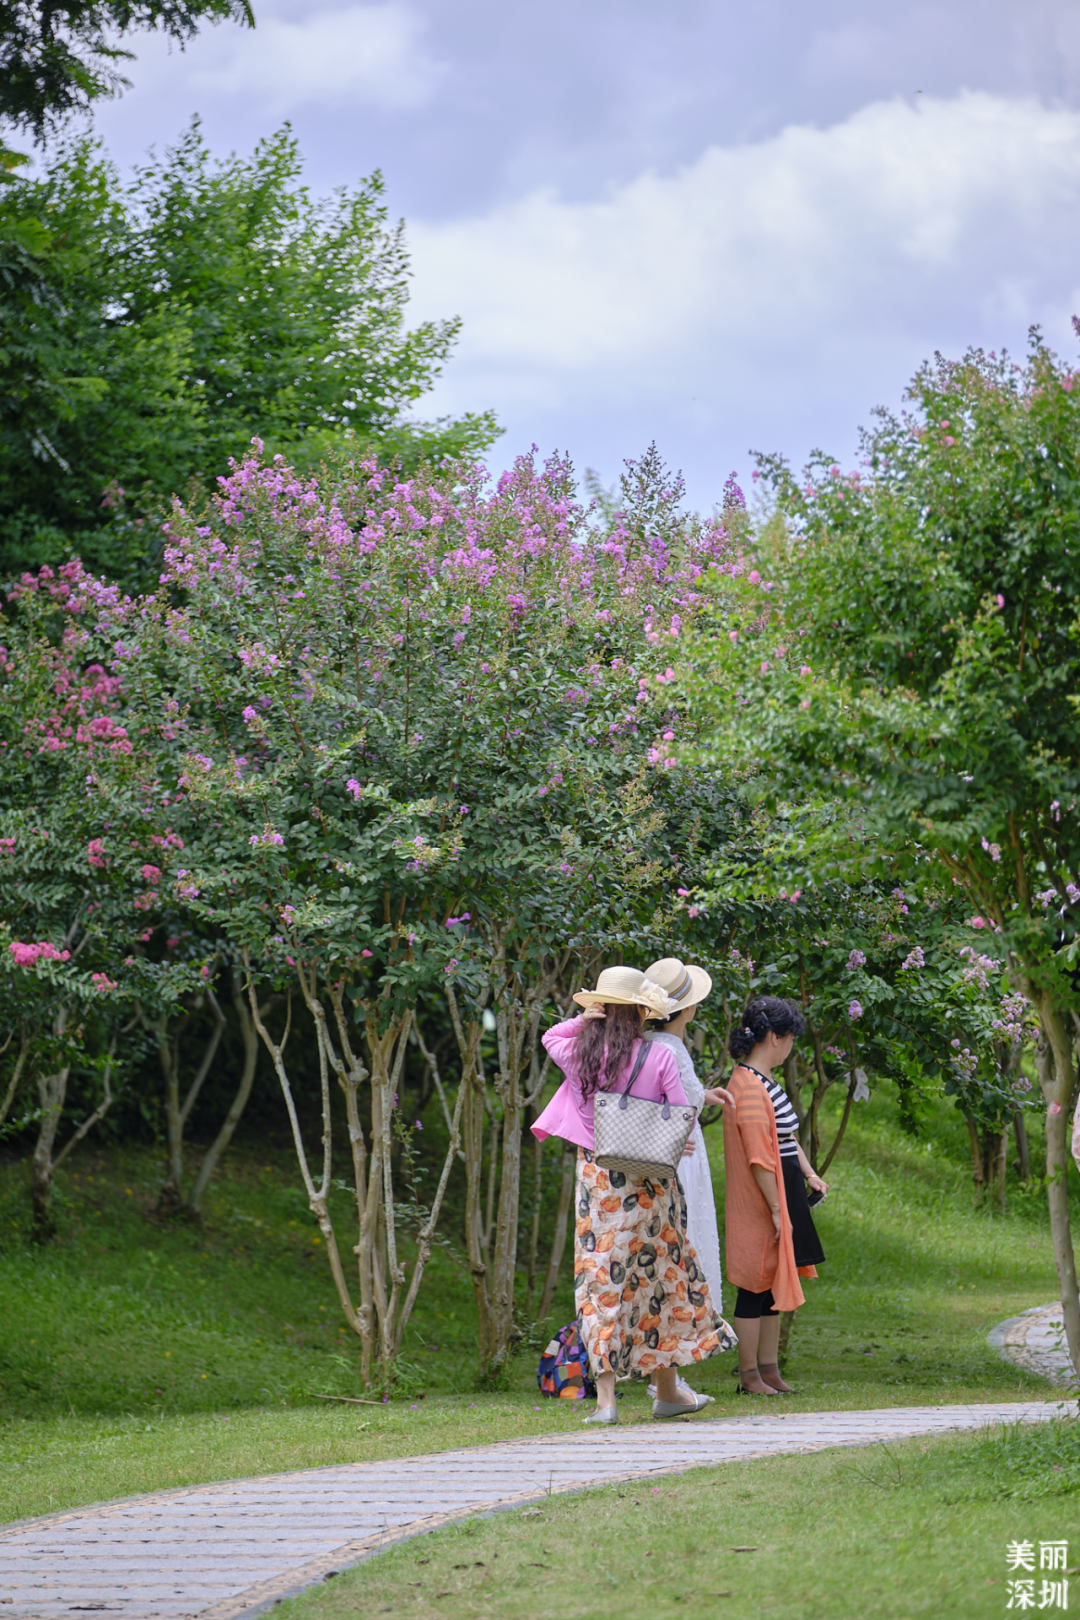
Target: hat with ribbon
point(684, 986)
point(627, 987)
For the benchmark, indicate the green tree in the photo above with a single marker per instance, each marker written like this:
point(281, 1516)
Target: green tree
point(57, 59)
point(909, 643)
point(147, 330)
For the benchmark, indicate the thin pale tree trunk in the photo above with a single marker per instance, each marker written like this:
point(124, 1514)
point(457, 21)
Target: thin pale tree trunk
point(558, 1240)
point(1057, 1076)
point(250, 1038)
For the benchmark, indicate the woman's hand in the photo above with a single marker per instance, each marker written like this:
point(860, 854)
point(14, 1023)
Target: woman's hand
point(814, 1180)
point(719, 1098)
point(776, 1225)
point(594, 1012)
point(691, 1147)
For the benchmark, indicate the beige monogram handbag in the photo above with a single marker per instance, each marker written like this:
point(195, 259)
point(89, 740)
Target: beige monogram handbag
point(639, 1137)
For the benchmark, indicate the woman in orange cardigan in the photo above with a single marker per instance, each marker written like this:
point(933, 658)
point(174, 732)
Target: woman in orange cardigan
point(770, 1238)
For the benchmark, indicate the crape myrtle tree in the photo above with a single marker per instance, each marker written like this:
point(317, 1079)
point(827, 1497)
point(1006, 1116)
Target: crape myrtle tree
point(420, 732)
point(145, 325)
point(76, 880)
point(906, 640)
point(889, 981)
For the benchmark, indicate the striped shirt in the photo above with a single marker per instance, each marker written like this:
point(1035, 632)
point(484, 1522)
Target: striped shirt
point(787, 1120)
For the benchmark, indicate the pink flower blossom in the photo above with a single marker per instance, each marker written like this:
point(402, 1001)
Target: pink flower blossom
point(27, 955)
point(855, 1011)
point(250, 715)
point(352, 786)
point(151, 875)
point(102, 983)
point(95, 852)
point(370, 953)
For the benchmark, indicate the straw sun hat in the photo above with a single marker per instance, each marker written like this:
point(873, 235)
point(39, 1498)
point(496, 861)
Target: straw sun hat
point(684, 986)
point(627, 987)
point(655, 988)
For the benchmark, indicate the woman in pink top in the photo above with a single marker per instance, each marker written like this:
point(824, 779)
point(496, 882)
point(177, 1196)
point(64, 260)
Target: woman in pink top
point(642, 1299)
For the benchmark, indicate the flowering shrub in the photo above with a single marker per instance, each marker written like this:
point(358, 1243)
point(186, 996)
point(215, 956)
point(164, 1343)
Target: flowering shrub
point(380, 704)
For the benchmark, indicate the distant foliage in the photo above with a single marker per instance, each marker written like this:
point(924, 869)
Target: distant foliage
point(58, 59)
point(147, 328)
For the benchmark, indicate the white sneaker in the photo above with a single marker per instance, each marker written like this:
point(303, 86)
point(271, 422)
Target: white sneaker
point(603, 1414)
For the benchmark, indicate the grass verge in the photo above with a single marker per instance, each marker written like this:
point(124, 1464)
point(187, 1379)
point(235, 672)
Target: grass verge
point(136, 1356)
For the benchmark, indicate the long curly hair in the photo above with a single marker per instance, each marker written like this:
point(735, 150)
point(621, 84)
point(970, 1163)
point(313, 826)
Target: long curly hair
point(605, 1046)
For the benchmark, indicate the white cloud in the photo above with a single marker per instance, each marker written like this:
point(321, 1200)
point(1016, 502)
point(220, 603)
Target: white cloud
point(820, 262)
point(369, 55)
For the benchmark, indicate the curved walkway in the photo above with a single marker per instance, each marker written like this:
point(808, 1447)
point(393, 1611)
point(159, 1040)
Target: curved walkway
point(230, 1550)
point(1035, 1340)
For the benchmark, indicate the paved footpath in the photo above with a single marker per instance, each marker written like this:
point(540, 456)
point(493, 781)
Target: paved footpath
point(224, 1551)
point(1035, 1340)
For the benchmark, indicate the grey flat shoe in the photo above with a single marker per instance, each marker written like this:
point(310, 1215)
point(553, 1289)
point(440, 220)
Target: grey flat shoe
point(603, 1414)
point(666, 1409)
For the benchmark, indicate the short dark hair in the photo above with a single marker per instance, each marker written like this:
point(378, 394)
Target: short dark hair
point(762, 1014)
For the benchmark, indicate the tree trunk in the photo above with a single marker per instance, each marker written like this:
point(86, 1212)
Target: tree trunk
point(473, 1141)
point(16, 1074)
point(224, 1136)
point(1054, 1064)
point(558, 1241)
point(534, 1232)
point(168, 1045)
point(504, 1255)
point(52, 1091)
point(1022, 1162)
point(978, 1174)
point(842, 1127)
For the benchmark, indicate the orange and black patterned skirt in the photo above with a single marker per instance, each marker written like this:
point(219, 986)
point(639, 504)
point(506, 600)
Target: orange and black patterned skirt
point(642, 1299)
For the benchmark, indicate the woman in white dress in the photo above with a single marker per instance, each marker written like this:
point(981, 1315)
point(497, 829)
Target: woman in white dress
point(687, 987)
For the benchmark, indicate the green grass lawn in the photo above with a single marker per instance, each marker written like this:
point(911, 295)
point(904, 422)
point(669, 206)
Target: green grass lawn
point(916, 1529)
point(135, 1356)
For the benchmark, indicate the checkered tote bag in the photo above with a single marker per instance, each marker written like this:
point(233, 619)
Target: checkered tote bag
point(639, 1137)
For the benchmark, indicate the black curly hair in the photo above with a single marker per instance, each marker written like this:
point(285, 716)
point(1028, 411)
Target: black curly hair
point(765, 1013)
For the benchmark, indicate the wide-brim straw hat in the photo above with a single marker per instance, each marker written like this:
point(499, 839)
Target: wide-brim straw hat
point(685, 986)
point(627, 987)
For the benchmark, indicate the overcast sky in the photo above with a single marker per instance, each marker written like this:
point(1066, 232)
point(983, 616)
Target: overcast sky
point(721, 226)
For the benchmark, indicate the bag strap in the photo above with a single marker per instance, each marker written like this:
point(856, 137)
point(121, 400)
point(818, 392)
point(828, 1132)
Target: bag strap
point(636, 1070)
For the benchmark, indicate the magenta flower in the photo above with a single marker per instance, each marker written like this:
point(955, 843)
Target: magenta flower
point(250, 715)
point(855, 1011)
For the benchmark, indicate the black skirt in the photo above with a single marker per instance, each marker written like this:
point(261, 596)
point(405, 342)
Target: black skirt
point(808, 1250)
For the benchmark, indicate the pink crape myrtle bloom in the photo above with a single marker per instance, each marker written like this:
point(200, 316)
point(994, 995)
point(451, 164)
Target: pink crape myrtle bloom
point(28, 955)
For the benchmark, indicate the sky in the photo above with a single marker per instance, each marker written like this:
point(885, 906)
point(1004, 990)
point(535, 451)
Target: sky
point(722, 227)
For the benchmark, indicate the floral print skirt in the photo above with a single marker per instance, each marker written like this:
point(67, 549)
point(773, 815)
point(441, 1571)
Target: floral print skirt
point(642, 1298)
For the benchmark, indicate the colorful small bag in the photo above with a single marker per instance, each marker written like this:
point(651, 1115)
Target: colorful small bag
point(564, 1367)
